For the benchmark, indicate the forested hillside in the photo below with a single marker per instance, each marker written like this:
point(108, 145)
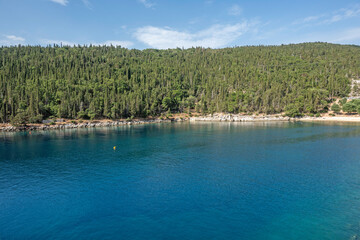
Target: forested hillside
point(112, 82)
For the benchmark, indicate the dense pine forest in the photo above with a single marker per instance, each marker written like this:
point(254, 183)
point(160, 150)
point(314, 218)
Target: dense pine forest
point(92, 82)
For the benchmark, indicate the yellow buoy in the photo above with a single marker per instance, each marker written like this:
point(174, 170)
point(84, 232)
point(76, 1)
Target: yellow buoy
point(114, 147)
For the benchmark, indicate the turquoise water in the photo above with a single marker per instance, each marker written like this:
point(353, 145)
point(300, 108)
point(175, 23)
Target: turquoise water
point(182, 181)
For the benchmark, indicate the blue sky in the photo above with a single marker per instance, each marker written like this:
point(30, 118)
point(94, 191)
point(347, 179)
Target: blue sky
point(178, 23)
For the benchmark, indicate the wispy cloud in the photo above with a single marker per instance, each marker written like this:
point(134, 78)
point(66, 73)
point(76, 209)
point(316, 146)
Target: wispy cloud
point(9, 40)
point(61, 2)
point(308, 19)
point(328, 18)
point(216, 36)
point(15, 38)
point(87, 3)
point(349, 36)
point(343, 14)
point(235, 10)
point(147, 3)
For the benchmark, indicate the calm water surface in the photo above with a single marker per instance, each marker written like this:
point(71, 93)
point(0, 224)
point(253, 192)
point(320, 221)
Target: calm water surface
point(182, 181)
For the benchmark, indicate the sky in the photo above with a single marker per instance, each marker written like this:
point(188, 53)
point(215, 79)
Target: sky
point(166, 24)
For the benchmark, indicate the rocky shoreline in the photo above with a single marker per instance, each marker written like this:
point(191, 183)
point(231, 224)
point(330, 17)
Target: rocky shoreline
point(217, 117)
point(221, 117)
point(33, 127)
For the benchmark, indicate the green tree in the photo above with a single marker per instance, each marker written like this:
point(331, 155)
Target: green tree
point(108, 82)
point(167, 103)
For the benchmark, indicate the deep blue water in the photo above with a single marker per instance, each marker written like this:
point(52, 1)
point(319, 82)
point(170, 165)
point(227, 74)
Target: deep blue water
point(182, 181)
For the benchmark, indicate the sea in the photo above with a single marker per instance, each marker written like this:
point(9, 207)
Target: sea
point(264, 180)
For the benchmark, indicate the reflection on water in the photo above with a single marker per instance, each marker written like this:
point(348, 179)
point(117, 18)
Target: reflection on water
point(264, 180)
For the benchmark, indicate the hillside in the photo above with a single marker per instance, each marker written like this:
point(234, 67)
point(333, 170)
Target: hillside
point(112, 82)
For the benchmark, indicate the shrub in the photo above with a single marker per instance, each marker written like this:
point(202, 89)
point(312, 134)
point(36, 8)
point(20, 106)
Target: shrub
point(20, 119)
point(349, 107)
point(91, 115)
point(129, 119)
point(336, 108)
point(343, 101)
point(82, 115)
point(292, 110)
point(36, 119)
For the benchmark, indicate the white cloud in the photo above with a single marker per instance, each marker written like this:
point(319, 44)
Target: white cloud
point(214, 37)
point(235, 10)
point(334, 18)
point(349, 36)
point(311, 18)
point(307, 19)
point(61, 2)
point(87, 3)
point(147, 3)
point(328, 18)
point(343, 14)
point(11, 40)
point(15, 38)
point(355, 11)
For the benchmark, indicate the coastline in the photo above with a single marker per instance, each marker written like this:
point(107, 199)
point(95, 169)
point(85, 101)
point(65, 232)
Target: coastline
point(220, 117)
point(217, 117)
point(223, 117)
point(7, 127)
point(331, 119)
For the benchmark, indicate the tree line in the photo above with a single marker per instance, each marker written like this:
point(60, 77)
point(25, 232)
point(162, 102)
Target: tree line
point(92, 82)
